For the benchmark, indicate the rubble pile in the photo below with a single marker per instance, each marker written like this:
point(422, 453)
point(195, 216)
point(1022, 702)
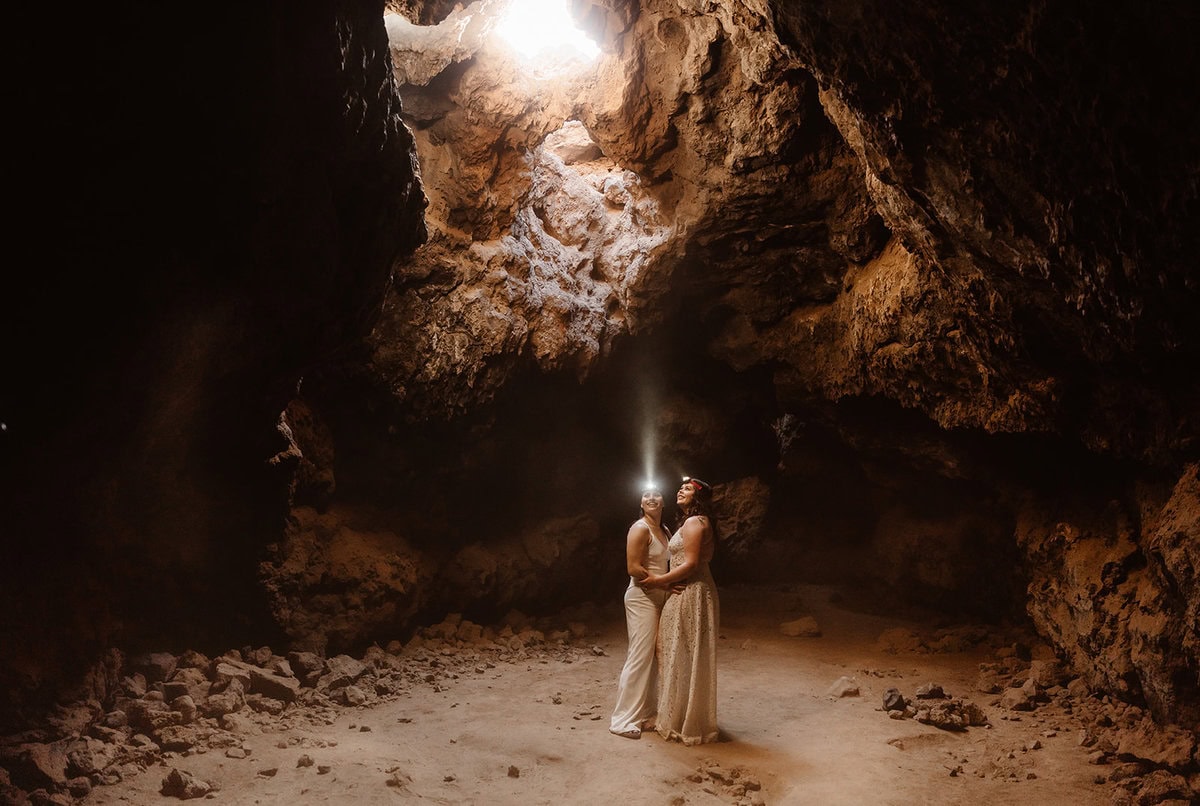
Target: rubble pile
point(1148, 762)
point(165, 706)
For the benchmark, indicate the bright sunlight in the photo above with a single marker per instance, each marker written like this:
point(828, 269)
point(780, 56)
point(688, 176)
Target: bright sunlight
point(535, 27)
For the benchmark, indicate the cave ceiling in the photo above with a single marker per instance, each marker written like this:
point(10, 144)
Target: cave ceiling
point(948, 224)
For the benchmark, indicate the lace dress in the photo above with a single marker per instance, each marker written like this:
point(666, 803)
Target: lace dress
point(687, 692)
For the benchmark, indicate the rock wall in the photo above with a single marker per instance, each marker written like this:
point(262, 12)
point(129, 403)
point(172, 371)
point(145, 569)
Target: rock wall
point(219, 200)
point(1113, 584)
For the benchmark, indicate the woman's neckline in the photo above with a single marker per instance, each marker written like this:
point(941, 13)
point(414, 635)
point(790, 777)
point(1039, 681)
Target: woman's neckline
point(657, 534)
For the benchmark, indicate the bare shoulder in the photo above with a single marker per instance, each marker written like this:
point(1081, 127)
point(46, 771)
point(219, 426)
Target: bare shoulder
point(638, 529)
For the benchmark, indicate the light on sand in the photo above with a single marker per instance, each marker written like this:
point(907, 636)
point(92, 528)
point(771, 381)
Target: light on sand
point(535, 27)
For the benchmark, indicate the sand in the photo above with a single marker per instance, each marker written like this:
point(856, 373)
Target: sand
point(535, 731)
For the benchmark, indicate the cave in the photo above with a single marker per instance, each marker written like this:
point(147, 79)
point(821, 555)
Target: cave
point(333, 322)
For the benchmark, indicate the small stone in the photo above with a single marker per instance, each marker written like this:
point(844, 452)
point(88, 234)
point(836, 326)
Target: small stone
point(513, 772)
point(844, 687)
point(304, 761)
point(323, 769)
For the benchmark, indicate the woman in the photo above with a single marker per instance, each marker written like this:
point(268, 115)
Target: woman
point(645, 555)
point(687, 693)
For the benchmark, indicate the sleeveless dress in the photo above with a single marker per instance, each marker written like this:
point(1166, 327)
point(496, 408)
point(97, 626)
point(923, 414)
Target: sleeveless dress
point(637, 688)
point(687, 694)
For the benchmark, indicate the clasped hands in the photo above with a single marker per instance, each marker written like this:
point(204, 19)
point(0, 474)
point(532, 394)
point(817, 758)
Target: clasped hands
point(652, 581)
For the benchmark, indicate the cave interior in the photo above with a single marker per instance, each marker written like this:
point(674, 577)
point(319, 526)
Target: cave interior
point(343, 317)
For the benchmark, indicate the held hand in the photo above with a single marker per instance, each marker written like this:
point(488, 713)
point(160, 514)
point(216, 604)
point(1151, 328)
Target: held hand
point(650, 581)
point(678, 587)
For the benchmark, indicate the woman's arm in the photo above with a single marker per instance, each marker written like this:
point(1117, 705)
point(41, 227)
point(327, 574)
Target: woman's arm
point(694, 532)
point(635, 550)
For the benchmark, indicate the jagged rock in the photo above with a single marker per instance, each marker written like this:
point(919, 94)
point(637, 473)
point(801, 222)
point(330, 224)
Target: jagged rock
point(308, 666)
point(1156, 787)
point(256, 680)
point(893, 700)
point(930, 691)
point(185, 706)
point(89, 756)
point(183, 785)
point(36, 765)
point(1017, 699)
point(341, 670)
point(229, 700)
point(1168, 746)
point(154, 666)
point(1046, 674)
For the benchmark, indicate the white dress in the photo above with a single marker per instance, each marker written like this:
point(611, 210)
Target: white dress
point(687, 694)
point(637, 688)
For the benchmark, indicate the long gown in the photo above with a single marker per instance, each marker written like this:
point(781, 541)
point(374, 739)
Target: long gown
point(687, 695)
point(637, 688)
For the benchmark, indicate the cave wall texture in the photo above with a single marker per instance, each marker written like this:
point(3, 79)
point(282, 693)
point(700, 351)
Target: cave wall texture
point(351, 320)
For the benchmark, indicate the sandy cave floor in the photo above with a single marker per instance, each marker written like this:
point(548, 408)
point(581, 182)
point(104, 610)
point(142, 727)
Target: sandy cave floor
point(535, 731)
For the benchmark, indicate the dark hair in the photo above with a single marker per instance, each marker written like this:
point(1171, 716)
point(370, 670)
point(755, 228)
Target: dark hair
point(649, 488)
point(701, 505)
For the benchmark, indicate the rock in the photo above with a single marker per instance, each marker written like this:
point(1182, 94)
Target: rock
point(36, 765)
point(280, 666)
point(176, 738)
point(191, 659)
point(951, 715)
point(184, 785)
point(155, 667)
point(350, 695)
point(79, 787)
point(185, 706)
point(304, 761)
point(239, 724)
point(805, 627)
point(115, 719)
point(1046, 674)
point(257, 680)
point(930, 691)
point(265, 705)
point(844, 687)
point(893, 700)
point(1159, 787)
point(307, 666)
point(226, 672)
point(341, 670)
point(1016, 699)
point(513, 771)
point(1168, 746)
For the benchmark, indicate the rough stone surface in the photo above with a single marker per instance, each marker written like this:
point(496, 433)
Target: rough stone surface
point(914, 285)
